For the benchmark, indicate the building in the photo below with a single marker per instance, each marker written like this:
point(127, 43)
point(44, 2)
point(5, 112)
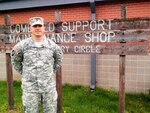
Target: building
point(77, 68)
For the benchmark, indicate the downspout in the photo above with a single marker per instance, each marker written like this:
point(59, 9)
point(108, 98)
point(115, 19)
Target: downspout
point(93, 55)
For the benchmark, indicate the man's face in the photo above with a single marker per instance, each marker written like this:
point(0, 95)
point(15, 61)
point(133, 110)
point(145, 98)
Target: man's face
point(37, 30)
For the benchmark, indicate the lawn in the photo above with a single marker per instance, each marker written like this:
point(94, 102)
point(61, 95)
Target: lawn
point(79, 99)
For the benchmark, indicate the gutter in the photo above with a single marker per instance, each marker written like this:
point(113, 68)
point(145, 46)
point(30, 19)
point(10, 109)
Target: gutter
point(7, 5)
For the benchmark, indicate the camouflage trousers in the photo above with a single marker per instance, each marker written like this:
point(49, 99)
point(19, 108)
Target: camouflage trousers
point(32, 101)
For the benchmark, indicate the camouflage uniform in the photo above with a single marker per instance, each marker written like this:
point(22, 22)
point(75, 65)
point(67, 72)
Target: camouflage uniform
point(38, 65)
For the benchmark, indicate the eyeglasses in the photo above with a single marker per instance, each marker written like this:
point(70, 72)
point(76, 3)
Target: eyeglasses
point(37, 26)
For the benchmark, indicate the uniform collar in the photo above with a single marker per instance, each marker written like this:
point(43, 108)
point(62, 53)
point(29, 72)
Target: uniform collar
point(44, 44)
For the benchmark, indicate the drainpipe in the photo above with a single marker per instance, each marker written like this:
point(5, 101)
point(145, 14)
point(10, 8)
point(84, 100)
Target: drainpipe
point(93, 56)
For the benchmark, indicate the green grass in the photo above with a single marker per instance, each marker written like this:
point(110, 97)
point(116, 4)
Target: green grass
point(79, 99)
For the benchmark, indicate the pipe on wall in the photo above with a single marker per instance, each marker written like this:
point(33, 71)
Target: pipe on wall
point(93, 55)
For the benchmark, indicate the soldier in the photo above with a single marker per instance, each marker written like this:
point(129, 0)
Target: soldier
point(37, 59)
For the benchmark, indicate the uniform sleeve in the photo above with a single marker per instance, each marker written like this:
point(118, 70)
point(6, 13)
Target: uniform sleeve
point(17, 57)
point(58, 56)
